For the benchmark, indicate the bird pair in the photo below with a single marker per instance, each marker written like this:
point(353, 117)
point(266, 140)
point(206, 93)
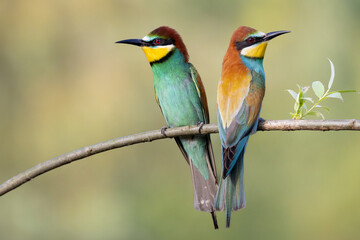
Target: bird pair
point(181, 97)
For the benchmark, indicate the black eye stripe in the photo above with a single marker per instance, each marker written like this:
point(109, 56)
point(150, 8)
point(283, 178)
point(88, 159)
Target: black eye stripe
point(255, 39)
point(160, 42)
point(248, 42)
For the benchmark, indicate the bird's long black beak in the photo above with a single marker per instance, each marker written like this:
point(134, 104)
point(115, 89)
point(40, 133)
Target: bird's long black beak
point(272, 35)
point(136, 42)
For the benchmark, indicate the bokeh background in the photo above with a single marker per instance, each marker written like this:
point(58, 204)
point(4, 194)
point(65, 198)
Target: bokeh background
point(64, 84)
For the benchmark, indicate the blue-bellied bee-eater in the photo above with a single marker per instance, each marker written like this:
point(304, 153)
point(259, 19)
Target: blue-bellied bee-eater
point(181, 96)
point(239, 97)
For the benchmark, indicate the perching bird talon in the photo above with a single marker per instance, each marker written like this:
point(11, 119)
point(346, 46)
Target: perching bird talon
point(200, 124)
point(163, 129)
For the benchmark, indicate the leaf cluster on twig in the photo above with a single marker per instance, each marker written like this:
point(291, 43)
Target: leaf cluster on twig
point(300, 108)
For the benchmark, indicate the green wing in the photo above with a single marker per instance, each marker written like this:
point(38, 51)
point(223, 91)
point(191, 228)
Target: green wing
point(202, 96)
point(201, 92)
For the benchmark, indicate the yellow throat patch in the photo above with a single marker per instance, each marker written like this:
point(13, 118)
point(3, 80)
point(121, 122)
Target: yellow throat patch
point(255, 51)
point(156, 53)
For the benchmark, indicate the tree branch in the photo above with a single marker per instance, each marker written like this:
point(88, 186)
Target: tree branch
point(264, 125)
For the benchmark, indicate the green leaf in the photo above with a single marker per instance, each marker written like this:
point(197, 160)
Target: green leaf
point(346, 91)
point(332, 76)
point(316, 114)
point(292, 93)
point(319, 106)
point(299, 98)
point(335, 95)
point(311, 114)
point(309, 99)
point(296, 105)
point(321, 115)
point(318, 88)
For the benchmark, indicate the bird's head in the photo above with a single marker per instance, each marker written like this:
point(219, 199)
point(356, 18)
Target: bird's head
point(252, 43)
point(159, 44)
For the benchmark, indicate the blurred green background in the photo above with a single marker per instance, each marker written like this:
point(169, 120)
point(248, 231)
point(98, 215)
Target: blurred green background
point(64, 84)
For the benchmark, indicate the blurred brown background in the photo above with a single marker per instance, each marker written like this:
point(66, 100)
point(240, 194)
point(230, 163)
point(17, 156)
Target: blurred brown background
point(64, 84)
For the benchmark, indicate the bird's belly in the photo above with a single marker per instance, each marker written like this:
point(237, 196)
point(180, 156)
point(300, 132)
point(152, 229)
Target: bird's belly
point(180, 106)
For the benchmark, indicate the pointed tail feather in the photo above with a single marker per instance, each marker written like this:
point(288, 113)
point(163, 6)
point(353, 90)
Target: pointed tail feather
point(204, 182)
point(213, 215)
point(235, 192)
point(231, 192)
point(237, 179)
point(229, 197)
point(219, 199)
point(204, 192)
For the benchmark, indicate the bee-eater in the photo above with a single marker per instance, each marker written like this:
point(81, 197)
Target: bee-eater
point(239, 96)
point(181, 96)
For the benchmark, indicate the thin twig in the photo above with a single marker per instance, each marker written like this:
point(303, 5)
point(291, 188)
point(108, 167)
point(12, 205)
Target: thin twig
point(264, 125)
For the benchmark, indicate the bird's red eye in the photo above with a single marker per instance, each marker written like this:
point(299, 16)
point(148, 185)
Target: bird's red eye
point(157, 41)
point(251, 40)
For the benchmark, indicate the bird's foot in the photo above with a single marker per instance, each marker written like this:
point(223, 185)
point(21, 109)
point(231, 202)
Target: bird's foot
point(200, 124)
point(163, 129)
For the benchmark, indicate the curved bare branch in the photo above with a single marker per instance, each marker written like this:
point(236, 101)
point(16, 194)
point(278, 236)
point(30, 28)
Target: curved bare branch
point(264, 125)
